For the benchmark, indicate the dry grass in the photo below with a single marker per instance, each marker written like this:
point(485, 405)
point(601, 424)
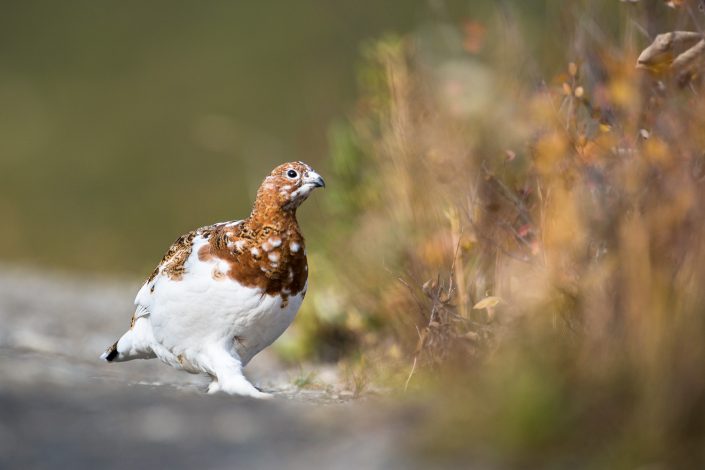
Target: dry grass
point(532, 252)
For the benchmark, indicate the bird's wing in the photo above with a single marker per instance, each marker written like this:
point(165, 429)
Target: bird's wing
point(173, 263)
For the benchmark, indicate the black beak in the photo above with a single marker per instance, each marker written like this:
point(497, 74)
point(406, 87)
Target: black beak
point(319, 183)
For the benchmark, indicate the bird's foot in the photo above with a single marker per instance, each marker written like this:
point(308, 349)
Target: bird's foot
point(237, 386)
point(226, 369)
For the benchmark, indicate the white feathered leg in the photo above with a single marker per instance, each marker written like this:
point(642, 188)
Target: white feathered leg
point(227, 370)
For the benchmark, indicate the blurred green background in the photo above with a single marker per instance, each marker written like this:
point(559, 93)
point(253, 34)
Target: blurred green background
point(124, 124)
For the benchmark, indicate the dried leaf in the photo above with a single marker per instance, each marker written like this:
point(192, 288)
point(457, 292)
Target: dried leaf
point(474, 36)
point(487, 302)
point(472, 336)
point(429, 287)
point(685, 59)
point(666, 49)
point(566, 89)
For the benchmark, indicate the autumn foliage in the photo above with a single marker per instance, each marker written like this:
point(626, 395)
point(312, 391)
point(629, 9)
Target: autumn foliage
point(533, 248)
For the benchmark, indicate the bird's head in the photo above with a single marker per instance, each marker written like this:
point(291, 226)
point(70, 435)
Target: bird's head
point(288, 185)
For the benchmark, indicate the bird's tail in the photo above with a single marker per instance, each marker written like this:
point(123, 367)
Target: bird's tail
point(111, 353)
point(134, 344)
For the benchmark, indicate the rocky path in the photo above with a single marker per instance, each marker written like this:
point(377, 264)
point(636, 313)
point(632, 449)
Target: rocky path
point(60, 407)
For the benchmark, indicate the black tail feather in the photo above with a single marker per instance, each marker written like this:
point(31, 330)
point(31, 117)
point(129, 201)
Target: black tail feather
point(111, 353)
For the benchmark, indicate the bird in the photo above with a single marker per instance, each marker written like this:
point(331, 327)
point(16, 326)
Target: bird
point(224, 292)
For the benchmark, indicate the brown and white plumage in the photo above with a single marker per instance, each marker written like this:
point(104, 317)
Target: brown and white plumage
point(224, 292)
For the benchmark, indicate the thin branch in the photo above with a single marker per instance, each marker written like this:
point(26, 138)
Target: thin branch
point(411, 373)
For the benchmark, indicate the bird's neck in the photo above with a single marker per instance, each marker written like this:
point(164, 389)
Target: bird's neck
point(273, 217)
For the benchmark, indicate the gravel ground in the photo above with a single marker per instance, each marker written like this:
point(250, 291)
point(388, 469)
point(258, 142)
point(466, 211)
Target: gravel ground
point(61, 407)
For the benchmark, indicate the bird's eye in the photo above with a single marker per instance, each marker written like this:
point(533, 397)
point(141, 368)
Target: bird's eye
point(292, 174)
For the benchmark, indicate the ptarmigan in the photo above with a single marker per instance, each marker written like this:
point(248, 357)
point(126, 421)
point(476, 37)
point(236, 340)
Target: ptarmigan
point(224, 292)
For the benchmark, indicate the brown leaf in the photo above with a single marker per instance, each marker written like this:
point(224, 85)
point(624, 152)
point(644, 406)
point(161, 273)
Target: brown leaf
point(487, 302)
point(428, 287)
point(474, 36)
point(667, 48)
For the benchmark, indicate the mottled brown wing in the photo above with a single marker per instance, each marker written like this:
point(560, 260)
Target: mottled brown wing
point(172, 263)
